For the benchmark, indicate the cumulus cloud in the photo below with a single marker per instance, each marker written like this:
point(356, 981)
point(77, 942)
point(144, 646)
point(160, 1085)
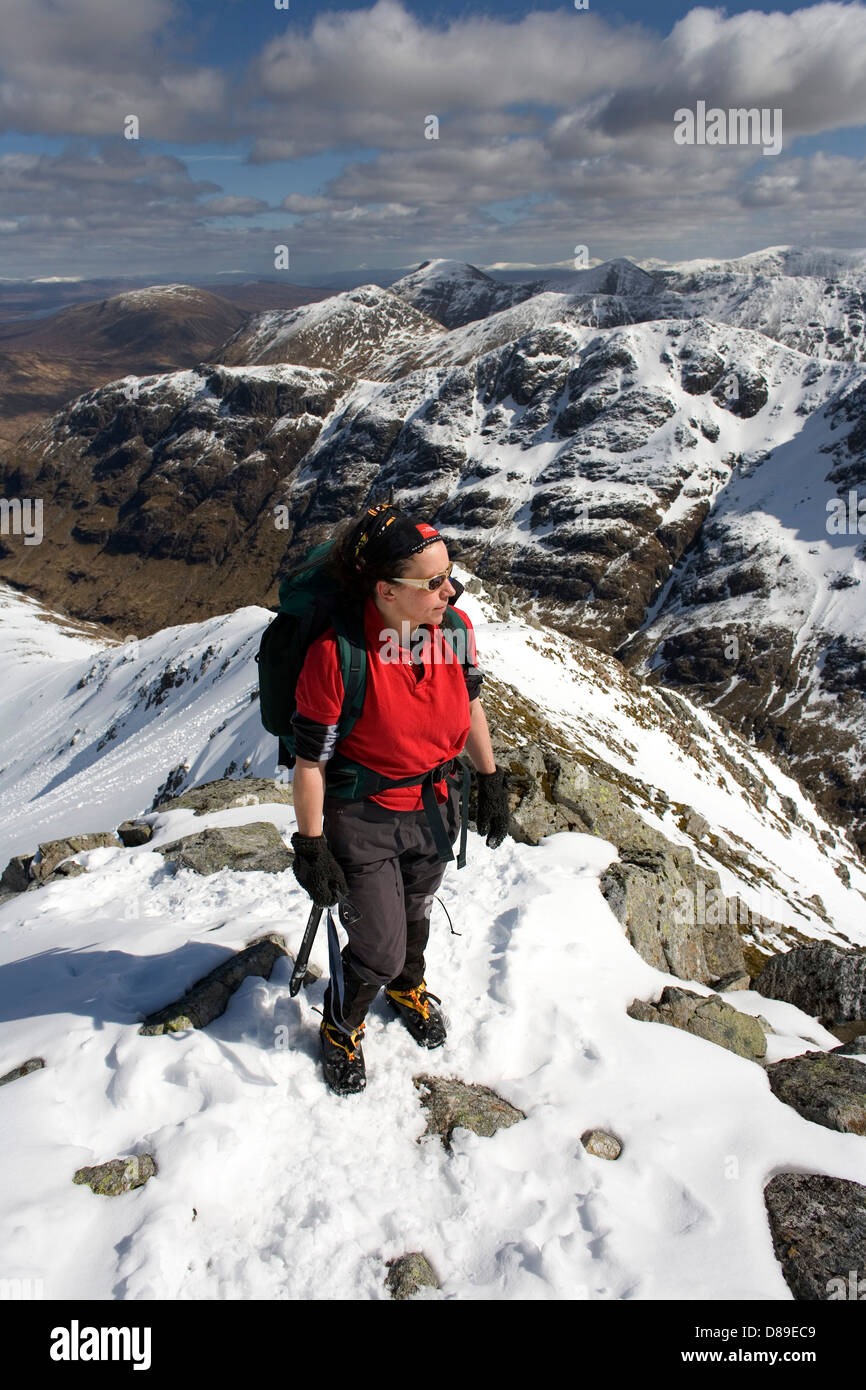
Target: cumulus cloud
point(563, 118)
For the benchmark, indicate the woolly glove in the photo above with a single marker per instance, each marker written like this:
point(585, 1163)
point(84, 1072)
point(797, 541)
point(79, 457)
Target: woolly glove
point(316, 869)
point(493, 813)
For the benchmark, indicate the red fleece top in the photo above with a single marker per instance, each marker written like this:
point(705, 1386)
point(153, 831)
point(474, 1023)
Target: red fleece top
point(414, 717)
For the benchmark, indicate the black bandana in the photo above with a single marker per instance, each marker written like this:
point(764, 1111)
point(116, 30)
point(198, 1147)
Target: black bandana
point(386, 534)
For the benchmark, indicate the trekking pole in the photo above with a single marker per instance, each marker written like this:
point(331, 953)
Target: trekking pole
point(303, 956)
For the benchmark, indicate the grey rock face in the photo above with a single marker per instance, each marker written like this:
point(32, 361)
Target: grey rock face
point(256, 847)
point(209, 996)
point(132, 833)
point(818, 1225)
point(32, 1064)
point(709, 1017)
point(408, 1273)
point(16, 876)
point(228, 792)
point(826, 1088)
point(855, 1048)
point(452, 1104)
point(117, 1175)
point(824, 980)
point(51, 852)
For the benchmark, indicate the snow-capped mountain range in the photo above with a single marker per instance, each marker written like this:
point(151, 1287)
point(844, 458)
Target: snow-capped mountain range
point(664, 462)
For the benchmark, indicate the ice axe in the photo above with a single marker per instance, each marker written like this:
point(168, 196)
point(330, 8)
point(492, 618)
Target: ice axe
point(349, 915)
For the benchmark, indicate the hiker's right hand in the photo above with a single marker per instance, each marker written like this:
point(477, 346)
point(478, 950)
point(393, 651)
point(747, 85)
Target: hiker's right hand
point(316, 869)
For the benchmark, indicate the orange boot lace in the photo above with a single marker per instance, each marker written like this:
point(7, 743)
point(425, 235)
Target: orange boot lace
point(337, 1038)
point(413, 998)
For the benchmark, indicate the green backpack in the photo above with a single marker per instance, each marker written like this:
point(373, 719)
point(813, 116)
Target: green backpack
point(310, 603)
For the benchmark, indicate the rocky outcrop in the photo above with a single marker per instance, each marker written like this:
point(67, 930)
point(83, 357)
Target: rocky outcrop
point(656, 889)
point(709, 1017)
point(209, 996)
point(256, 847)
point(227, 793)
point(818, 1226)
point(824, 980)
point(52, 860)
point(826, 1088)
point(118, 1175)
point(453, 1104)
point(32, 1064)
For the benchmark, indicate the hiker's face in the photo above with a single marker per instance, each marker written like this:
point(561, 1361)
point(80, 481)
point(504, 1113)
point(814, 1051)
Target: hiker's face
point(405, 602)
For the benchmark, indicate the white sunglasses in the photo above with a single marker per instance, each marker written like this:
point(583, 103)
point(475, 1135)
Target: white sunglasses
point(432, 584)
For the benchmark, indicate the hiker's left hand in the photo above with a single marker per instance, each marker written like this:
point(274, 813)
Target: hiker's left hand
point(493, 814)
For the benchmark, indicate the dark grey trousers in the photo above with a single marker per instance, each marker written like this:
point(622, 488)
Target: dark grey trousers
point(392, 870)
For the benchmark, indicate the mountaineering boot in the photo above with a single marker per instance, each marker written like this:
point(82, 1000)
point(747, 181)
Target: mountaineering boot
point(342, 1059)
point(422, 1018)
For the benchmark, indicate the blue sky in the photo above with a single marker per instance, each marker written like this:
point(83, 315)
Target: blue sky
point(309, 127)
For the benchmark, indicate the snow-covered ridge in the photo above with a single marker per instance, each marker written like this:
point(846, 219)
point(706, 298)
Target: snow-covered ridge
point(91, 731)
point(536, 988)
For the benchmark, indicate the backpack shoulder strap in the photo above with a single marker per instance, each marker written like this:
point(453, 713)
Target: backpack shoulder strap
point(352, 652)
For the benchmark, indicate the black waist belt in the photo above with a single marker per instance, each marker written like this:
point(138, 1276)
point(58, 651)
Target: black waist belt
point(352, 781)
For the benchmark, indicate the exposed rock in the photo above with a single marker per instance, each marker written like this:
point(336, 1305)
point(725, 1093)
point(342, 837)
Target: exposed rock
point(50, 854)
point(453, 1104)
point(825, 980)
point(117, 1175)
point(68, 868)
point(16, 875)
point(600, 1143)
point(823, 1087)
point(255, 847)
point(739, 979)
point(855, 1048)
point(32, 1064)
point(134, 833)
point(227, 793)
point(657, 895)
point(408, 1273)
point(209, 996)
point(709, 1017)
point(818, 1225)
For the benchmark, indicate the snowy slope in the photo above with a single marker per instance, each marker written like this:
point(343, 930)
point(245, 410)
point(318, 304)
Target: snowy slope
point(267, 1185)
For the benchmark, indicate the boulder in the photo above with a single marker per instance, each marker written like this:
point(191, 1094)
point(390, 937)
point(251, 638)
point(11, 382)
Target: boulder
point(706, 1016)
point(825, 980)
point(32, 1064)
point(134, 833)
point(823, 1087)
point(818, 1226)
point(51, 852)
point(117, 1175)
point(209, 996)
point(255, 847)
point(16, 876)
point(408, 1273)
point(601, 1144)
point(452, 1104)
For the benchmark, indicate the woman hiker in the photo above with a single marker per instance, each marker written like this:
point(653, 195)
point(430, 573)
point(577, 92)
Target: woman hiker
point(420, 710)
